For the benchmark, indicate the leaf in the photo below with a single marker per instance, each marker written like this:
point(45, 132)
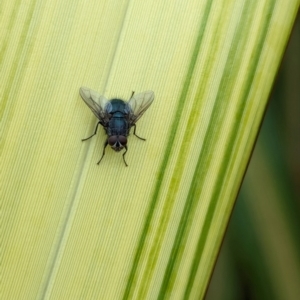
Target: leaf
point(72, 229)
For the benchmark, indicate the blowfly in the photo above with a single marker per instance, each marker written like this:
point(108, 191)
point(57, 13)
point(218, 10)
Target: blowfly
point(116, 116)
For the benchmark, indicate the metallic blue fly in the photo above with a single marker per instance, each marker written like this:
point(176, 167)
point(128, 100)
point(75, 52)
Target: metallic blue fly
point(116, 116)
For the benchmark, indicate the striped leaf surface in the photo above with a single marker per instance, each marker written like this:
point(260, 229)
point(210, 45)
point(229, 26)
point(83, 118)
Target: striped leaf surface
point(74, 230)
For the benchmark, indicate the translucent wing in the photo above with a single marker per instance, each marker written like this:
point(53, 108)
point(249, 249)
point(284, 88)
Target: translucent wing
point(95, 102)
point(138, 105)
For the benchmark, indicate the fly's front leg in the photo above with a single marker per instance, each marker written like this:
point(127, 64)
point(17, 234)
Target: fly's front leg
point(93, 133)
point(105, 144)
point(136, 134)
point(124, 156)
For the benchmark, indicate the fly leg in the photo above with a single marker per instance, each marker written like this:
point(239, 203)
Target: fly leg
point(131, 95)
point(124, 156)
point(105, 144)
point(93, 133)
point(136, 134)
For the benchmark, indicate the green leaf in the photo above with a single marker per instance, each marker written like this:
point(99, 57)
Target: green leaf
point(72, 229)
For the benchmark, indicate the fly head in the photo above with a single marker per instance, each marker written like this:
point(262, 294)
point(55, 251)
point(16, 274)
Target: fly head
point(117, 142)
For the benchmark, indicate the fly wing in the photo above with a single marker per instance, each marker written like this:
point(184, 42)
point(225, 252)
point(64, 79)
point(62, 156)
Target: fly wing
point(95, 102)
point(138, 104)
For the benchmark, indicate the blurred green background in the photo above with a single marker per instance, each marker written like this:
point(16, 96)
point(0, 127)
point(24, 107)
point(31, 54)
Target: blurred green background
point(260, 255)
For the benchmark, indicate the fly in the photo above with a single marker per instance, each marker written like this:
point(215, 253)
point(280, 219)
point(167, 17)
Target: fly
point(116, 116)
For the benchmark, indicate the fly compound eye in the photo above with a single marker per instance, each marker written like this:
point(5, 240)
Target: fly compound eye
point(123, 140)
point(112, 140)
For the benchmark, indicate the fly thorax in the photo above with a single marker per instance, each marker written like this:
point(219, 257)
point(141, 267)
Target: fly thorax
point(118, 125)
